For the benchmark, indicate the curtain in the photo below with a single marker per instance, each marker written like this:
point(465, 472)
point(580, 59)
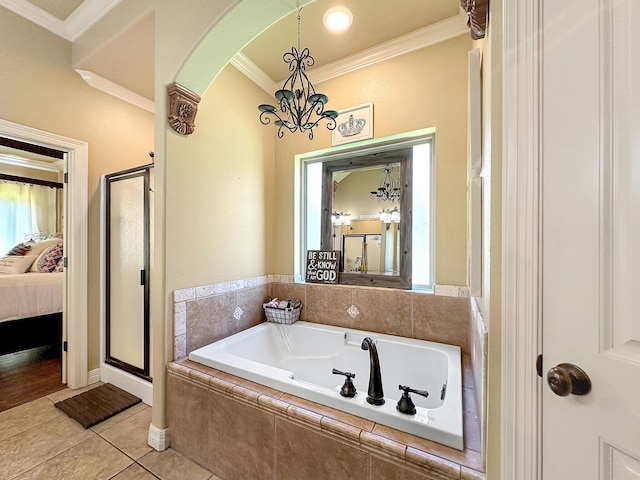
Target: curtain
point(25, 209)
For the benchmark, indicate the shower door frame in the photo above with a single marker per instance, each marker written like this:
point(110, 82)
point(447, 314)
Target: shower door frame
point(144, 372)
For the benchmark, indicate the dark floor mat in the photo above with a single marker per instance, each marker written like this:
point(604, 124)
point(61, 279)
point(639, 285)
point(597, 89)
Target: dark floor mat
point(97, 404)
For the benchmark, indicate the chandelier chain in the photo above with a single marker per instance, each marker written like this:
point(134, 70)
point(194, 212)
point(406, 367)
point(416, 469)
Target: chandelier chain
point(299, 28)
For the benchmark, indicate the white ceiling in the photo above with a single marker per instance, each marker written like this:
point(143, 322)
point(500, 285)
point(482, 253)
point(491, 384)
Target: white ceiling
point(380, 29)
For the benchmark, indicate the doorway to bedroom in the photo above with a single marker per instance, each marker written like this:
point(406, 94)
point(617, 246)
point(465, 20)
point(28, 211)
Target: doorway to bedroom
point(42, 330)
point(32, 279)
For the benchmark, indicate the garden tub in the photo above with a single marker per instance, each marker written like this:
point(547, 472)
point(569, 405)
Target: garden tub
point(299, 359)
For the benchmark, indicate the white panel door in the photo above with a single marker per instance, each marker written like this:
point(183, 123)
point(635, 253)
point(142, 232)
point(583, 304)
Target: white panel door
point(591, 235)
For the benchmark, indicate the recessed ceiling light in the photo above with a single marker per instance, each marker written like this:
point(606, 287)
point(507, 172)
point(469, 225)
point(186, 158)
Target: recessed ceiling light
point(337, 19)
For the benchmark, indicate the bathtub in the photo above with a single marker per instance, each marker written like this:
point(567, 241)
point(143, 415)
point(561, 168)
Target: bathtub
point(298, 359)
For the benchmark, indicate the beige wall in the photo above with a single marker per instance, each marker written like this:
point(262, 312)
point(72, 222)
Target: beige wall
point(220, 189)
point(41, 90)
point(426, 88)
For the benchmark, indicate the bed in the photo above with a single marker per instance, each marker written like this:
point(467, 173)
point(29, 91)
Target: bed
point(30, 295)
point(31, 300)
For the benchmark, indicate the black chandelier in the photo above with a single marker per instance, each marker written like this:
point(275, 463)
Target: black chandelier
point(300, 107)
point(389, 189)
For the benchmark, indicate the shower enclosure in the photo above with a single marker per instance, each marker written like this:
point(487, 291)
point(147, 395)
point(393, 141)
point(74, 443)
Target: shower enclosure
point(127, 224)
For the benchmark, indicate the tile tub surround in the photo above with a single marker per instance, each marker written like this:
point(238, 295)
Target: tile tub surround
point(424, 316)
point(478, 341)
point(208, 313)
point(239, 429)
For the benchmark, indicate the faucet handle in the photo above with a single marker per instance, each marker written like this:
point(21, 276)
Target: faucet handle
point(348, 389)
point(408, 390)
point(405, 404)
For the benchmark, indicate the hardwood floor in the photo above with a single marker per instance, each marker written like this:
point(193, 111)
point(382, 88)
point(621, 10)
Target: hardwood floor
point(29, 374)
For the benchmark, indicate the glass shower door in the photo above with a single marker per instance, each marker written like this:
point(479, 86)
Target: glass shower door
point(127, 272)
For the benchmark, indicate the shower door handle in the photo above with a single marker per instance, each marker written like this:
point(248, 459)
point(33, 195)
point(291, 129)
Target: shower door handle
point(143, 277)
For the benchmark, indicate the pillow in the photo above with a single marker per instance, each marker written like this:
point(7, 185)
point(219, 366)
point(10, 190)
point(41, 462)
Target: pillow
point(59, 266)
point(16, 263)
point(38, 249)
point(47, 261)
point(20, 249)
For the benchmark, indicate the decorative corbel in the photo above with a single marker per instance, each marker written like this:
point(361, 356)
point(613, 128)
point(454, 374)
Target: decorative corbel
point(183, 107)
point(478, 13)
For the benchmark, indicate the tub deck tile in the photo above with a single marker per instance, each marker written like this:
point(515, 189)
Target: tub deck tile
point(386, 445)
point(199, 367)
point(221, 384)
point(469, 458)
point(436, 466)
point(273, 404)
point(245, 394)
point(341, 429)
point(358, 422)
point(256, 387)
point(305, 416)
point(199, 376)
point(179, 368)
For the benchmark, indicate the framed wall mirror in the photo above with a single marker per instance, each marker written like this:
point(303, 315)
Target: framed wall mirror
point(366, 214)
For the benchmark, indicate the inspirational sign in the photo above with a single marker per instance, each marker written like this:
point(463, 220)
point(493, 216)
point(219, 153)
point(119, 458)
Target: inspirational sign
point(322, 266)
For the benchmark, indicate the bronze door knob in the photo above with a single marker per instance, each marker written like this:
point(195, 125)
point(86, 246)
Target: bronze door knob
point(566, 378)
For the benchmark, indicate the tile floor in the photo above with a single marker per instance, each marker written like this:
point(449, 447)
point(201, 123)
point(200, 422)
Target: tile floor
point(38, 441)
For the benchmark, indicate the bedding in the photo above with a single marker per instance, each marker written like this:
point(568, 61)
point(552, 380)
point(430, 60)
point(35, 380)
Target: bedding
point(30, 294)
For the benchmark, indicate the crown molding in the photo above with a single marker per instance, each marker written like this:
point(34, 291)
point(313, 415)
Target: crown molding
point(424, 37)
point(107, 86)
point(38, 16)
point(57, 166)
point(254, 73)
point(85, 16)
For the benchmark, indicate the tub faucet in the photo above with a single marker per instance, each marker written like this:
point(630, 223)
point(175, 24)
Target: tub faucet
point(375, 395)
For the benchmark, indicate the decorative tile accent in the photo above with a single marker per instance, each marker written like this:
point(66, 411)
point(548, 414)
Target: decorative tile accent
point(237, 313)
point(264, 280)
point(205, 291)
point(353, 311)
point(221, 288)
point(237, 285)
point(446, 290)
point(180, 322)
point(250, 282)
point(179, 307)
point(184, 294)
point(180, 346)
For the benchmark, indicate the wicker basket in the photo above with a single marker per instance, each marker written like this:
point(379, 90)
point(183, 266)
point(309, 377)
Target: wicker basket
point(285, 316)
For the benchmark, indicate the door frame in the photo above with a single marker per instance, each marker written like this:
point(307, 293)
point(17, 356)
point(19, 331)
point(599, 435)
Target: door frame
point(76, 228)
point(521, 388)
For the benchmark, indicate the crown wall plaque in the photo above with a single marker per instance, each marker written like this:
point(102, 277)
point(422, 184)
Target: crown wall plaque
point(183, 107)
point(353, 124)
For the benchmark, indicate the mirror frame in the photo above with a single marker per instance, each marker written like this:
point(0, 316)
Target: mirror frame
point(404, 157)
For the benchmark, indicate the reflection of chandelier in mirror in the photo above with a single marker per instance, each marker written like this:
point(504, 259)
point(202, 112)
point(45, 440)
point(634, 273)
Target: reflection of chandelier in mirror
point(340, 218)
point(389, 189)
point(300, 107)
point(389, 215)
